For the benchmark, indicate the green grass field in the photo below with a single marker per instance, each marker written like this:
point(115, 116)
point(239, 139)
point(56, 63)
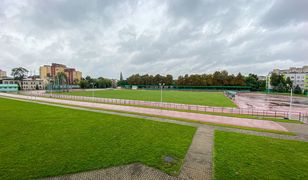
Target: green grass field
point(40, 140)
point(240, 156)
point(182, 97)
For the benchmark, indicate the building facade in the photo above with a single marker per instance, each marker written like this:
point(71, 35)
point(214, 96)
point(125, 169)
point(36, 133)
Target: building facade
point(2, 74)
point(45, 72)
point(299, 76)
point(48, 72)
point(26, 84)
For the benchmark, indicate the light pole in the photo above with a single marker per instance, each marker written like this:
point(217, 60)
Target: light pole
point(291, 100)
point(92, 91)
point(161, 93)
point(266, 84)
point(51, 83)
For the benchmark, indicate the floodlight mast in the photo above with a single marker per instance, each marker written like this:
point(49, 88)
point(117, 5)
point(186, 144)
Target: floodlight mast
point(92, 91)
point(161, 93)
point(291, 101)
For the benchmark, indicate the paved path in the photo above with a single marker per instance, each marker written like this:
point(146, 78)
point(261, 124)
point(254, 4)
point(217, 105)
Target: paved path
point(198, 161)
point(126, 172)
point(262, 124)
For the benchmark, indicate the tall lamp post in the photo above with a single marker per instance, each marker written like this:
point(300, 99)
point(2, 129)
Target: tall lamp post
point(161, 93)
point(266, 84)
point(92, 91)
point(51, 83)
point(291, 101)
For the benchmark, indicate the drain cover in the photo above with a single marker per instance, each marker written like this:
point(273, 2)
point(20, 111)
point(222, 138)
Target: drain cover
point(168, 159)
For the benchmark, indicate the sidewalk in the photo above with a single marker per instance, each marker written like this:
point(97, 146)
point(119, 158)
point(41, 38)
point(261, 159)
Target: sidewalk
point(262, 124)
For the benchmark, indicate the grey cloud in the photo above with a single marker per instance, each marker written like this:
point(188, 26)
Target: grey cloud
point(102, 38)
point(286, 12)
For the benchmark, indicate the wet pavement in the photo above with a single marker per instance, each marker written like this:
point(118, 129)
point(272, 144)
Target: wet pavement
point(271, 102)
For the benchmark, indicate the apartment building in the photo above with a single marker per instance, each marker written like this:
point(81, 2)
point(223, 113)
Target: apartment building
point(48, 72)
point(2, 74)
point(299, 76)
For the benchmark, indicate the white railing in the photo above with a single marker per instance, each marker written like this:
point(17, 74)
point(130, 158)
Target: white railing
point(247, 111)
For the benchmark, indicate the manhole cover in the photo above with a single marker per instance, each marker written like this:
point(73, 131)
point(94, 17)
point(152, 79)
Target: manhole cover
point(168, 159)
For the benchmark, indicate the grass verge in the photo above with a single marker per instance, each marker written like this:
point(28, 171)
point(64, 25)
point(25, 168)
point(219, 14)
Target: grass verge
point(242, 156)
point(40, 140)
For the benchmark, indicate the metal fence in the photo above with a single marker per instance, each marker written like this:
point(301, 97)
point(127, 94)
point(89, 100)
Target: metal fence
point(185, 107)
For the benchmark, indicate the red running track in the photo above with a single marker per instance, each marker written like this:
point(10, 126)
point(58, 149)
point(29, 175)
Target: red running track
point(262, 124)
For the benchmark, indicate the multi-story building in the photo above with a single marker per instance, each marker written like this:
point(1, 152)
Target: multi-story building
point(299, 76)
point(2, 74)
point(114, 83)
point(27, 83)
point(45, 72)
point(48, 72)
point(262, 78)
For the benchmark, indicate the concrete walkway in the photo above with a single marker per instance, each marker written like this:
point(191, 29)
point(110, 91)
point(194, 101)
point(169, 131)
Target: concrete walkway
point(198, 161)
point(126, 172)
point(262, 124)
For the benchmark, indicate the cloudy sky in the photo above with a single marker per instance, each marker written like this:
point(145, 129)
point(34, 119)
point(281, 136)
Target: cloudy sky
point(104, 37)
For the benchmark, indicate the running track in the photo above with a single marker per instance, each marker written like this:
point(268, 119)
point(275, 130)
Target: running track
point(270, 125)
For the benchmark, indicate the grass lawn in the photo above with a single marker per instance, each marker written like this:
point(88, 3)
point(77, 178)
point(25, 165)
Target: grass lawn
point(241, 156)
point(183, 97)
point(39, 140)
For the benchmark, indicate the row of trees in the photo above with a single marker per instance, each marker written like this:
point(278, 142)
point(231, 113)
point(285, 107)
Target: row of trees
point(218, 78)
point(100, 82)
point(149, 79)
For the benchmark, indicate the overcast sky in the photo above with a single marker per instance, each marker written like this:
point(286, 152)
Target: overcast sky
point(104, 37)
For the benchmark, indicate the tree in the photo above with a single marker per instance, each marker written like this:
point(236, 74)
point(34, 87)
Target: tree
point(100, 82)
point(289, 82)
point(121, 76)
point(262, 85)
point(239, 80)
point(252, 81)
point(280, 88)
point(19, 74)
point(83, 84)
point(61, 78)
point(297, 90)
point(279, 83)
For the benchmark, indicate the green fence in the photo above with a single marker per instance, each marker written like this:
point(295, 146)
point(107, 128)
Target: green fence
point(8, 88)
